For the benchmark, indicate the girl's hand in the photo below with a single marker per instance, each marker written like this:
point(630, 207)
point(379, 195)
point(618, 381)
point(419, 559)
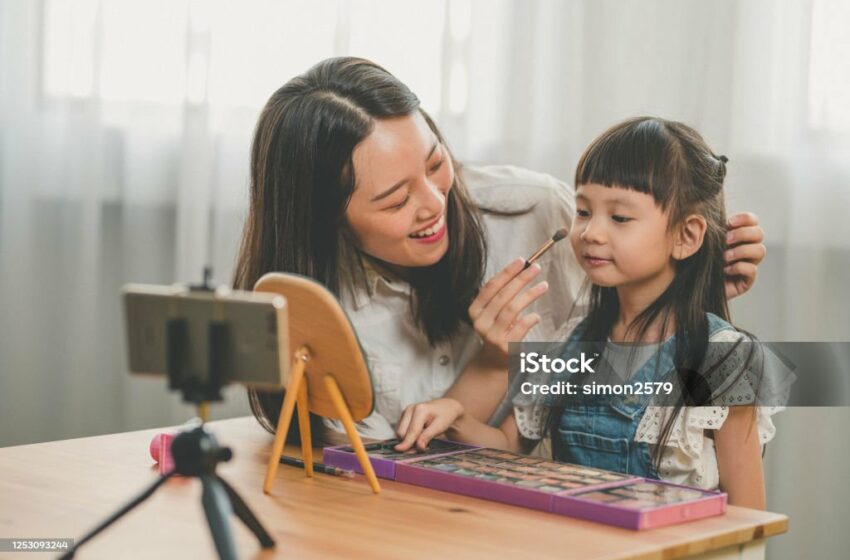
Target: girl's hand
point(495, 313)
point(422, 422)
point(744, 254)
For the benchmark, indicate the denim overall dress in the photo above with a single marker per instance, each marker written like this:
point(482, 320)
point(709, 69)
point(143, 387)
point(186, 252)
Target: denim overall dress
point(599, 431)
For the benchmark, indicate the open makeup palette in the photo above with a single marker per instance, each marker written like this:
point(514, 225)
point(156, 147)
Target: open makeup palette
point(603, 496)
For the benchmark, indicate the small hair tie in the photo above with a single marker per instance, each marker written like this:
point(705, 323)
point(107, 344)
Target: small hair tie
point(723, 159)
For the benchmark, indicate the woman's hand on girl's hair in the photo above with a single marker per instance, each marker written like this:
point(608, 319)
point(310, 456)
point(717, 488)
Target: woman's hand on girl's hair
point(422, 422)
point(745, 252)
point(495, 313)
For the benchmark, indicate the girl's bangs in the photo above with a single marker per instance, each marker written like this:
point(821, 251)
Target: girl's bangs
point(629, 156)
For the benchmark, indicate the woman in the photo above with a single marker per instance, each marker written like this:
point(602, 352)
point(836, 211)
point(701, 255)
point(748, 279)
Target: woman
point(353, 185)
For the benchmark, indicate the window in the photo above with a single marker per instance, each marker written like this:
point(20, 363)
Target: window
point(168, 52)
point(829, 66)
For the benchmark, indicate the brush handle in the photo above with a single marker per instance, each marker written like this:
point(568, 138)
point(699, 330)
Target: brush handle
point(539, 253)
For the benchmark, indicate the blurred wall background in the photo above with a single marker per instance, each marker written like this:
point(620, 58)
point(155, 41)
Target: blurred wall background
point(125, 130)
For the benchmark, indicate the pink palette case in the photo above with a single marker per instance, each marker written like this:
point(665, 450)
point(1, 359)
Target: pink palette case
point(384, 457)
point(574, 490)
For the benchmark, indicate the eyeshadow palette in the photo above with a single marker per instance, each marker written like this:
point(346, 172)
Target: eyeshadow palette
point(641, 495)
point(522, 471)
point(643, 504)
point(384, 456)
point(532, 482)
point(505, 477)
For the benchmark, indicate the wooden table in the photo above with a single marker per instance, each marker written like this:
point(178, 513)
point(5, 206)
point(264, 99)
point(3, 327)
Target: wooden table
point(62, 489)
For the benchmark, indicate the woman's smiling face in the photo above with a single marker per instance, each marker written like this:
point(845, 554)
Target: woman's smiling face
point(403, 175)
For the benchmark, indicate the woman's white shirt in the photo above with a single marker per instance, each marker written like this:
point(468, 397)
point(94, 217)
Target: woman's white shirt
point(405, 368)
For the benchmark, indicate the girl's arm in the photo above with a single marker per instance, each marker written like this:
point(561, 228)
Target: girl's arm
point(469, 429)
point(739, 458)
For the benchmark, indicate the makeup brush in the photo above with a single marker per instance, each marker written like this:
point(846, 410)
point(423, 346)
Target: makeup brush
point(558, 235)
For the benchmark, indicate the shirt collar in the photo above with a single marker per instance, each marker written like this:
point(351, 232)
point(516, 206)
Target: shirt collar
point(375, 281)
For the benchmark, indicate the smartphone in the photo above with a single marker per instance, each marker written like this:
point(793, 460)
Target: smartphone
point(255, 346)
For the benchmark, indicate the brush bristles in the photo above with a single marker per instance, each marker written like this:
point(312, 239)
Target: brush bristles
point(560, 234)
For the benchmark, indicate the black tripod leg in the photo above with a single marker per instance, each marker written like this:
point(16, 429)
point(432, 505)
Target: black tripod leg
point(217, 509)
point(117, 515)
point(244, 513)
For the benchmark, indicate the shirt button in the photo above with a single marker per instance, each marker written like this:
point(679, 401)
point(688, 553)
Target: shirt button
point(444, 360)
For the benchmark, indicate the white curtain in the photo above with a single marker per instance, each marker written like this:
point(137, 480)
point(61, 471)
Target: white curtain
point(752, 76)
point(768, 84)
point(124, 146)
point(125, 130)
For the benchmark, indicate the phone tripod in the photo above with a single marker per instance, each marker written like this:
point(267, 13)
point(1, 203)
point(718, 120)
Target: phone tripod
point(196, 453)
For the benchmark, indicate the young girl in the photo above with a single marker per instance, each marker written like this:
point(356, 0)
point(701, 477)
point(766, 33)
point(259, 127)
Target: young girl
point(650, 232)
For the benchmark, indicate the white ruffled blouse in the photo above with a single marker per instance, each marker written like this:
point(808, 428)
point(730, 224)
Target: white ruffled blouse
point(688, 456)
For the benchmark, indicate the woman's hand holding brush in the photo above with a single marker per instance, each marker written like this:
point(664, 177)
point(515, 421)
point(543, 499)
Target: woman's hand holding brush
point(497, 311)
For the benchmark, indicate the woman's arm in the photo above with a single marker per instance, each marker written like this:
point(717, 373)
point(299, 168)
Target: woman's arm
point(739, 458)
point(448, 416)
point(480, 388)
point(496, 315)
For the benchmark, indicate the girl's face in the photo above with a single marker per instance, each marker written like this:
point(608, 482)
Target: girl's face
point(403, 175)
point(621, 238)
